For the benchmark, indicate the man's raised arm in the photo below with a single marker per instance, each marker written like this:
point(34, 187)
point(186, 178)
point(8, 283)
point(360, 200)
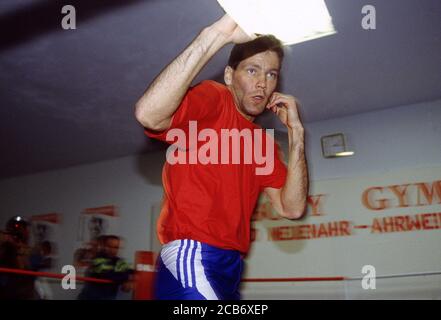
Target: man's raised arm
point(154, 110)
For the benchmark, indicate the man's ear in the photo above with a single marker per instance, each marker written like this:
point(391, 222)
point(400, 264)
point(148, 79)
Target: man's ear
point(228, 75)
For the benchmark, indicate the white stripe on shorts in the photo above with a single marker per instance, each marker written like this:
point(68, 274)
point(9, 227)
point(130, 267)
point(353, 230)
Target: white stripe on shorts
point(169, 256)
point(181, 263)
point(201, 281)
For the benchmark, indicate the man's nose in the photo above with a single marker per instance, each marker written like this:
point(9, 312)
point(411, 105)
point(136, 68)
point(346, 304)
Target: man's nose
point(261, 82)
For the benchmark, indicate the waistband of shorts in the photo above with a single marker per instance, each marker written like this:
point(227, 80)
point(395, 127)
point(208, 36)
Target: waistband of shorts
point(179, 243)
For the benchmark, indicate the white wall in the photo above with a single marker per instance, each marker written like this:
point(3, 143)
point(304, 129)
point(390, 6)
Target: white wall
point(404, 137)
point(391, 248)
point(396, 138)
point(133, 184)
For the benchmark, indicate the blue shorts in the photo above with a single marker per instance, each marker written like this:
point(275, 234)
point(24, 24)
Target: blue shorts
point(192, 270)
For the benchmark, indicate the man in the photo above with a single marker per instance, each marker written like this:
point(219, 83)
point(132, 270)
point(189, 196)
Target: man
point(205, 219)
point(15, 253)
point(107, 265)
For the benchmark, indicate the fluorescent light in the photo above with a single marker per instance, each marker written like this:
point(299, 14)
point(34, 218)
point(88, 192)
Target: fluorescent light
point(344, 154)
point(292, 21)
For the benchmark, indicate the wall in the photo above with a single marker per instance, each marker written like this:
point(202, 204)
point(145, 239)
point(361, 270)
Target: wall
point(389, 222)
point(384, 141)
point(396, 146)
point(396, 138)
point(132, 184)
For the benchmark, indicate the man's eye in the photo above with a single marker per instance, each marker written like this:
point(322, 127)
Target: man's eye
point(251, 71)
point(272, 75)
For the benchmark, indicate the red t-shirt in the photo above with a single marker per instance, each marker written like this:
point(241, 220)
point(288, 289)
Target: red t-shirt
point(213, 202)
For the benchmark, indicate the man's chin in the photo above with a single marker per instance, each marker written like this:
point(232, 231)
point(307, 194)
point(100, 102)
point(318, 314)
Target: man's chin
point(256, 110)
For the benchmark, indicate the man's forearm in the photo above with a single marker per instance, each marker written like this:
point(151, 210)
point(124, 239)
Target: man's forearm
point(295, 191)
point(161, 99)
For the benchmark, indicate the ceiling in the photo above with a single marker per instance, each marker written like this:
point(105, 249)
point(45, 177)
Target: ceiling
point(67, 96)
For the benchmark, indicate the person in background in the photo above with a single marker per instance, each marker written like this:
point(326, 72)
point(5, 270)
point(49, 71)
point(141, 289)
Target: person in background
point(41, 260)
point(83, 256)
point(15, 253)
point(109, 266)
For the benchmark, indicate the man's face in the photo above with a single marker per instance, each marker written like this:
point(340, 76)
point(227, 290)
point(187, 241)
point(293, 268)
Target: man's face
point(253, 82)
point(112, 247)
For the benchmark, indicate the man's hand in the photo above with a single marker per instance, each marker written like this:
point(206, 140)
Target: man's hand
point(286, 108)
point(230, 31)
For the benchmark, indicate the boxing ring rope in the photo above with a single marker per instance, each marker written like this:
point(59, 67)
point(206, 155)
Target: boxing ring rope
point(306, 279)
point(51, 275)
point(300, 279)
point(339, 278)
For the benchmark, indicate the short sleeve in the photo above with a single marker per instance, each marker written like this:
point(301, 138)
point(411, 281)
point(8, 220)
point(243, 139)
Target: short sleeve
point(199, 102)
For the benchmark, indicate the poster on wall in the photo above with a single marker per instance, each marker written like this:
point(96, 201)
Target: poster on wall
point(93, 223)
point(98, 221)
point(45, 234)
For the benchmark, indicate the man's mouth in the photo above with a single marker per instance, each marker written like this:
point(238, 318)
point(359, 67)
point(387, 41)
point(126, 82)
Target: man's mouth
point(258, 98)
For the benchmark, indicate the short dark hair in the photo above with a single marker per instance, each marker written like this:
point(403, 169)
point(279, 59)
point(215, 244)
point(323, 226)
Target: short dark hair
point(262, 43)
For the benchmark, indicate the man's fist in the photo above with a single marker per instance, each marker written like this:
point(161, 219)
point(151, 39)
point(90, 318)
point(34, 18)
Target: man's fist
point(285, 107)
point(229, 29)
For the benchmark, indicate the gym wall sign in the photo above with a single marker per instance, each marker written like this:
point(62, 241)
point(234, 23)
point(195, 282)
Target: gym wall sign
point(397, 207)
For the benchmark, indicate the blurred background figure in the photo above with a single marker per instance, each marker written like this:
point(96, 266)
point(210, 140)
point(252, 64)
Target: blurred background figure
point(84, 256)
point(41, 260)
point(15, 253)
point(107, 265)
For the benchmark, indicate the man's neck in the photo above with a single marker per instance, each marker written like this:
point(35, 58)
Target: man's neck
point(236, 104)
